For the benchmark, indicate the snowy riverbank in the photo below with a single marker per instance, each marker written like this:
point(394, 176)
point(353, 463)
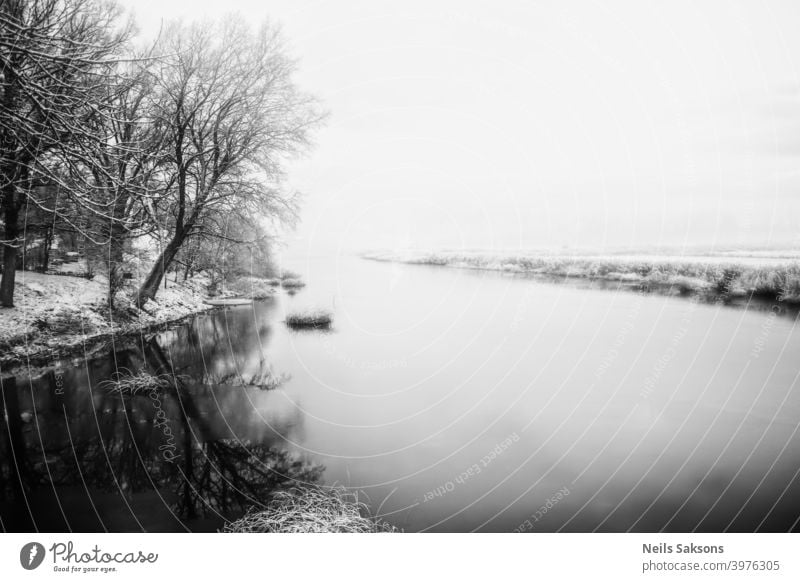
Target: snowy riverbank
point(58, 315)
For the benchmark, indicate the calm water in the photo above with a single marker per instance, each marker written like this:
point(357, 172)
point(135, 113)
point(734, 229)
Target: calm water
point(455, 400)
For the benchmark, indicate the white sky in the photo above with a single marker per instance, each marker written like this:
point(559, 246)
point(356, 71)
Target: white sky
point(525, 124)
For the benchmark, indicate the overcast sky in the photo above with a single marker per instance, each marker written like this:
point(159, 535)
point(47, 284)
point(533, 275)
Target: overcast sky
point(526, 124)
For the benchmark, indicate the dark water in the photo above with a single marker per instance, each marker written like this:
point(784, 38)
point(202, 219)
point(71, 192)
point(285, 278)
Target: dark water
point(454, 400)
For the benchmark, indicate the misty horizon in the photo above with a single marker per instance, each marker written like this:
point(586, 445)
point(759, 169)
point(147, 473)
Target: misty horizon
point(477, 126)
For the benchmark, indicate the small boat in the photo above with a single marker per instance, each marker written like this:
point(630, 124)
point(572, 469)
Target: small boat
point(228, 302)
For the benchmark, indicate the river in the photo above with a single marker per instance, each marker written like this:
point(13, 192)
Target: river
point(452, 399)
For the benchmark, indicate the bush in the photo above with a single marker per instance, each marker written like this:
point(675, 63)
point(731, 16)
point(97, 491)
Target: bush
point(292, 283)
point(309, 319)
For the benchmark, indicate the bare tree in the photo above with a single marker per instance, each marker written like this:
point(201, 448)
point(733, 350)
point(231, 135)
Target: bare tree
point(231, 113)
point(123, 169)
point(228, 247)
point(57, 59)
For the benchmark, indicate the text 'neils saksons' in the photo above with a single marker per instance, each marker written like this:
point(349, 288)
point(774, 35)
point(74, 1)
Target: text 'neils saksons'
point(663, 548)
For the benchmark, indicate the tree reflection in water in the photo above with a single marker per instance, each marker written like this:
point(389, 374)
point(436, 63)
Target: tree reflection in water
point(75, 456)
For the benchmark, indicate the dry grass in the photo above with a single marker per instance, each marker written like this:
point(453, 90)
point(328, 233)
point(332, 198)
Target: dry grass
point(311, 509)
point(126, 382)
point(316, 319)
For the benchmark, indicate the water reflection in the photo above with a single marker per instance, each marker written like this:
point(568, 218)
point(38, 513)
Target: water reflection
point(750, 301)
point(76, 456)
point(655, 413)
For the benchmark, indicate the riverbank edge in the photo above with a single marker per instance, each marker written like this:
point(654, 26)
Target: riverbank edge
point(42, 349)
point(45, 356)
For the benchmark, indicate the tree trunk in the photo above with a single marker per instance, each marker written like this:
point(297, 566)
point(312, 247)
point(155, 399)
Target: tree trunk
point(46, 248)
point(11, 220)
point(116, 243)
point(151, 283)
point(9, 173)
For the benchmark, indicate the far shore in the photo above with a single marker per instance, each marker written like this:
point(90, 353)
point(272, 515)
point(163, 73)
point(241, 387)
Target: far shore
point(763, 275)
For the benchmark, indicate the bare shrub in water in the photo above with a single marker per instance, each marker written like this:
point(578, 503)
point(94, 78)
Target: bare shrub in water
point(311, 509)
point(292, 283)
point(309, 319)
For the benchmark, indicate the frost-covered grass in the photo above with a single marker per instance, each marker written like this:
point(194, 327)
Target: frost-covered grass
point(311, 509)
point(316, 318)
point(775, 275)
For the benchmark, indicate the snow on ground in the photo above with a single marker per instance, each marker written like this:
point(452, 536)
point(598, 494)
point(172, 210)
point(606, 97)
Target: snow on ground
point(38, 296)
point(55, 311)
